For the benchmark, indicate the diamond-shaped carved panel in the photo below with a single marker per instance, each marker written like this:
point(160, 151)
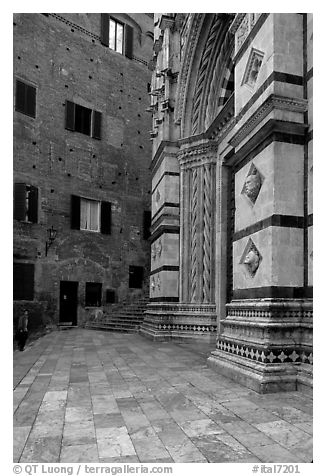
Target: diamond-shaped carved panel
point(252, 184)
point(251, 258)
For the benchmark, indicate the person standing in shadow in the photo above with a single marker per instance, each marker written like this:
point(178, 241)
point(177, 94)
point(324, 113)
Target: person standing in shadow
point(22, 330)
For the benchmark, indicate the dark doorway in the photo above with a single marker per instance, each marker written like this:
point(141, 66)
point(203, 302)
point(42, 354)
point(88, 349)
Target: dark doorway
point(68, 302)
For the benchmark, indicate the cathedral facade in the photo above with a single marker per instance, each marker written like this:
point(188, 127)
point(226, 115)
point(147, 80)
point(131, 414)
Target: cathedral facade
point(231, 233)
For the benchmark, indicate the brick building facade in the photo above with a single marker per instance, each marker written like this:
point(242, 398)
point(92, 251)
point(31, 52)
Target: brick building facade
point(81, 162)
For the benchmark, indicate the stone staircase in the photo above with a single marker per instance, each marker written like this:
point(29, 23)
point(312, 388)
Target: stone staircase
point(120, 317)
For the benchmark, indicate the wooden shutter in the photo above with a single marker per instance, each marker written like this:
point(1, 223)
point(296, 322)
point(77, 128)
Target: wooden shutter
point(20, 201)
point(23, 281)
point(30, 100)
point(70, 115)
point(33, 204)
point(129, 40)
point(75, 212)
point(20, 96)
point(105, 29)
point(97, 118)
point(147, 218)
point(106, 218)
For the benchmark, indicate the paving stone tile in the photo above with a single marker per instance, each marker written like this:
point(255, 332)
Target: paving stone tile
point(120, 459)
point(221, 448)
point(201, 427)
point(81, 433)
point(86, 453)
point(108, 420)
point(20, 435)
point(114, 442)
point(275, 454)
point(74, 414)
point(306, 426)
point(54, 396)
point(51, 406)
point(48, 428)
point(104, 404)
point(41, 450)
point(148, 445)
point(183, 450)
point(290, 437)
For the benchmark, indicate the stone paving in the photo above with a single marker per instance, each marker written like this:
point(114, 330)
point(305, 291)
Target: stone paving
point(93, 396)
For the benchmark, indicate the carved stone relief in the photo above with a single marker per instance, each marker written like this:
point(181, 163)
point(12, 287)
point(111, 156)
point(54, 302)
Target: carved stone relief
point(253, 67)
point(252, 184)
point(251, 258)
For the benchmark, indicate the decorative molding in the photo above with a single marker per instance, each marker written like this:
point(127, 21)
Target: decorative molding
point(284, 221)
point(272, 102)
point(293, 355)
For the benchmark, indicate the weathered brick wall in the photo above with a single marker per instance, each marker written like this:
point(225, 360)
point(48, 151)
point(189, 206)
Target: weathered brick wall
point(65, 63)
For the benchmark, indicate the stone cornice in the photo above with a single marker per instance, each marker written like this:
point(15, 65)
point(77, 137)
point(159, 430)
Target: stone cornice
point(272, 102)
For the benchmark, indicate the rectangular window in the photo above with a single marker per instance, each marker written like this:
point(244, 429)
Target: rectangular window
point(25, 98)
point(84, 120)
point(136, 276)
point(23, 285)
point(92, 215)
point(93, 294)
point(25, 202)
point(89, 215)
point(117, 35)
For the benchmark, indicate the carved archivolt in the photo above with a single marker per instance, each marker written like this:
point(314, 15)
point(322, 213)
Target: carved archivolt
point(195, 23)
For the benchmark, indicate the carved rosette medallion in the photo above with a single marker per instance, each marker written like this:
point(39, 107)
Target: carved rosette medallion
point(251, 258)
point(252, 185)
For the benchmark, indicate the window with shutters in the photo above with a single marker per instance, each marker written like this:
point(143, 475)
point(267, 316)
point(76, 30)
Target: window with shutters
point(25, 202)
point(90, 215)
point(136, 276)
point(23, 284)
point(116, 35)
point(93, 294)
point(84, 120)
point(25, 98)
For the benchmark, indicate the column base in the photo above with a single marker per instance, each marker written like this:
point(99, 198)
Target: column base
point(266, 345)
point(180, 322)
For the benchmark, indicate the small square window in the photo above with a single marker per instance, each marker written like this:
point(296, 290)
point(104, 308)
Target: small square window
point(93, 294)
point(89, 215)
